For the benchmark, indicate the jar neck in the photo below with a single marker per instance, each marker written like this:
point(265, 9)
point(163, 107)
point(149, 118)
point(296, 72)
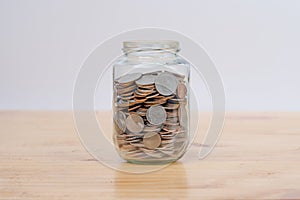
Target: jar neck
point(151, 49)
point(151, 54)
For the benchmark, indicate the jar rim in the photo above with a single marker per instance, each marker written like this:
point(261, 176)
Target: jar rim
point(140, 45)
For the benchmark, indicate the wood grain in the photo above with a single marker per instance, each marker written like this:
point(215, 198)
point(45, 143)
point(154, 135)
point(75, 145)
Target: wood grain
point(257, 157)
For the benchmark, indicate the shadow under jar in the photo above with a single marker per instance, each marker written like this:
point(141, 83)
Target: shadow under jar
point(151, 102)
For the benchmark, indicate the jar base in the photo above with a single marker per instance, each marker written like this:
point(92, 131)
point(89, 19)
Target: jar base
point(151, 162)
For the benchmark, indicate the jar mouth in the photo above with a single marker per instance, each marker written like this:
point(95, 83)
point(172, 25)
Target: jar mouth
point(151, 45)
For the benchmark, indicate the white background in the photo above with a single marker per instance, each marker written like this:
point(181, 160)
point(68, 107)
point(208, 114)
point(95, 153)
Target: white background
point(255, 45)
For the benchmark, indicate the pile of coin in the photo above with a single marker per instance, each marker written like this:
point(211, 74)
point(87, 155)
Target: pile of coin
point(150, 115)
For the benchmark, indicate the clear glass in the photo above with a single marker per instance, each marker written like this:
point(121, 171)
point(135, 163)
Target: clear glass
point(151, 102)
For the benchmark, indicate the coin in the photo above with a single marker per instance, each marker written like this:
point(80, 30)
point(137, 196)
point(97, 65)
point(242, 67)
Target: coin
point(146, 80)
point(128, 78)
point(169, 153)
point(147, 91)
point(156, 102)
point(170, 128)
point(166, 84)
point(169, 146)
point(134, 123)
point(172, 119)
point(147, 86)
point(140, 95)
point(156, 115)
point(167, 137)
point(177, 101)
point(120, 120)
point(168, 122)
point(126, 90)
point(140, 112)
point(154, 154)
point(151, 140)
point(182, 115)
point(167, 141)
point(152, 96)
point(179, 76)
point(152, 129)
point(127, 98)
point(127, 147)
point(171, 106)
point(181, 90)
point(121, 136)
point(172, 114)
point(125, 104)
point(137, 144)
point(126, 94)
point(134, 107)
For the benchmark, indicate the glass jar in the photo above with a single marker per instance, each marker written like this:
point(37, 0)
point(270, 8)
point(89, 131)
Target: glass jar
point(151, 102)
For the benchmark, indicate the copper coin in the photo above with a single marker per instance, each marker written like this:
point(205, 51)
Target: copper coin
point(126, 90)
point(181, 90)
point(134, 107)
point(151, 140)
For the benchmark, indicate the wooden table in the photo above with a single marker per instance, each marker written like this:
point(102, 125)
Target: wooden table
point(258, 156)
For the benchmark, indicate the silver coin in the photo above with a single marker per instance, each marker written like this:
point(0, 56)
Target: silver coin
point(156, 115)
point(120, 120)
point(146, 80)
point(183, 117)
point(151, 140)
point(135, 123)
point(166, 84)
point(129, 78)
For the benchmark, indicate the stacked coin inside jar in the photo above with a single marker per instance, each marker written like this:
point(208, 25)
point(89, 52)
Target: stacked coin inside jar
point(150, 115)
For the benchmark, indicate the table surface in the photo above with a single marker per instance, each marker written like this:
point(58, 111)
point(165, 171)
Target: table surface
point(257, 156)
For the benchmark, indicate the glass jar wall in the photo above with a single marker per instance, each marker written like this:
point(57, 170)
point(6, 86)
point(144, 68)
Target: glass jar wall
point(151, 102)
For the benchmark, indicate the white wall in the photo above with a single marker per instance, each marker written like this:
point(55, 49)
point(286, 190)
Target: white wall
point(254, 43)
